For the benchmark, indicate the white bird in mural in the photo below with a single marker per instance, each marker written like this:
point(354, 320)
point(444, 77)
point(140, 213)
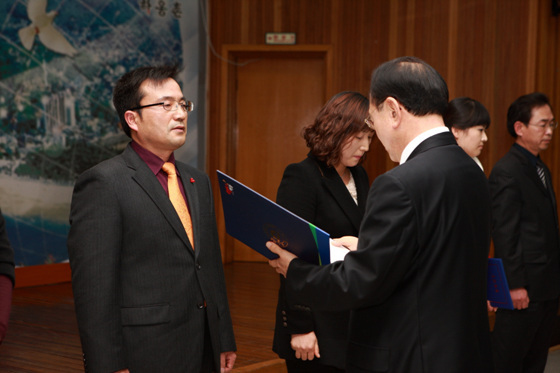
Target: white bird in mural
point(42, 25)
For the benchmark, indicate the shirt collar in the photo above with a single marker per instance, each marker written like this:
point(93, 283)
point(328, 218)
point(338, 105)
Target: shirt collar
point(419, 139)
point(530, 156)
point(477, 161)
point(153, 161)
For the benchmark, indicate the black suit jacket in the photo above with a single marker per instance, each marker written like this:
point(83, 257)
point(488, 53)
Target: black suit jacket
point(139, 287)
point(525, 226)
point(417, 283)
point(315, 192)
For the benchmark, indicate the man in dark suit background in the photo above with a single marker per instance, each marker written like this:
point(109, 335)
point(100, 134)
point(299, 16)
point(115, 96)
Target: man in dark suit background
point(148, 297)
point(525, 233)
point(417, 281)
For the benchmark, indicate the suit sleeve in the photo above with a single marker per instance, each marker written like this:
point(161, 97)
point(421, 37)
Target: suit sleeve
point(94, 244)
point(387, 246)
point(507, 206)
point(296, 193)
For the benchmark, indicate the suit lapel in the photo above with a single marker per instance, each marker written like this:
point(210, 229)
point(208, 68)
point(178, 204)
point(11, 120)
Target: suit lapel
point(334, 184)
point(531, 171)
point(361, 179)
point(149, 183)
point(549, 185)
point(550, 191)
point(190, 187)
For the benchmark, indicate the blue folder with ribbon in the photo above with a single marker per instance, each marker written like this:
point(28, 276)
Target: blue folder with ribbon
point(498, 289)
point(254, 220)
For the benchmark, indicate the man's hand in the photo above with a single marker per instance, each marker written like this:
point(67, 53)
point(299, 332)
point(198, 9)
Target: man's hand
point(305, 346)
point(520, 298)
point(283, 262)
point(490, 308)
point(349, 242)
point(227, 359)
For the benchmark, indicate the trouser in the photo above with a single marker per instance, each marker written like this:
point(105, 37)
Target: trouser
point(208, 354)
point(310, 366)
point(521, 338)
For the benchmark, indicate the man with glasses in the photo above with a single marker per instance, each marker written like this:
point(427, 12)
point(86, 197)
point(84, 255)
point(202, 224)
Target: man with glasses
point(526, 237)
point(147, 272)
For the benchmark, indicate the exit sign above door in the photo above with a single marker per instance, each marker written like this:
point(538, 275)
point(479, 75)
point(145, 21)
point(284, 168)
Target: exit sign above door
point(280, 38)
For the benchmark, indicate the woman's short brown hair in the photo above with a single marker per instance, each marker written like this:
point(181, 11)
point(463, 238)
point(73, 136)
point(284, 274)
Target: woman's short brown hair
point(342, 116)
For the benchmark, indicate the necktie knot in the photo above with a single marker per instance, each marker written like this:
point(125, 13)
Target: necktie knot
point(169, 168)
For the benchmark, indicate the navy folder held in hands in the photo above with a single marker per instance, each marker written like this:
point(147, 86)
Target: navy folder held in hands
point(254, 220)
point(498, 289)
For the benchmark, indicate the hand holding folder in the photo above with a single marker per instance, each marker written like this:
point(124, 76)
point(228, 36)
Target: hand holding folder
point(254, 220)
point(497, 285)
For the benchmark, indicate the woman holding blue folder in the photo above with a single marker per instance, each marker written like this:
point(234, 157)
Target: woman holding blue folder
point(328, 189)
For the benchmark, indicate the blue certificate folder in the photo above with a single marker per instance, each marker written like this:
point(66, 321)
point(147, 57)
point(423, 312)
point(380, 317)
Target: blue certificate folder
point(254, 220)
point(498, 289)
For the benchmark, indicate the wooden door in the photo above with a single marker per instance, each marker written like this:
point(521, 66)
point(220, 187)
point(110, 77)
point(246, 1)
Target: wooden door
point(273, 95)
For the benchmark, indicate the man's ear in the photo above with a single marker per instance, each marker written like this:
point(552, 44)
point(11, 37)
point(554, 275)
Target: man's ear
point(393, 110)
point(131, 119)
point(519, 128)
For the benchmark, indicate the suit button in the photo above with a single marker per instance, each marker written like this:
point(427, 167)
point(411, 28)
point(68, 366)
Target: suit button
point(285, 324)
point(198, 266)
point(283, 312)
point(200, 306)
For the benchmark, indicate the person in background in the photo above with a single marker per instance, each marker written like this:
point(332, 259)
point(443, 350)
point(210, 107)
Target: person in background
point(7, 277)
point(147, 273)
point(468, 120)
point(416, 284)
point(328, 189)
point(526, 238)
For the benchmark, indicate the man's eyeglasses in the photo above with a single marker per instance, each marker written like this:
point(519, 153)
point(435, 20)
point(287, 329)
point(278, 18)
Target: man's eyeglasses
point(369, 123)
point(552, 124)
point(170, 105)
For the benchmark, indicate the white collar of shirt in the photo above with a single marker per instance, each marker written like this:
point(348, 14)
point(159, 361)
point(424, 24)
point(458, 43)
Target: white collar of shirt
point(418, 140)
point(478, 163)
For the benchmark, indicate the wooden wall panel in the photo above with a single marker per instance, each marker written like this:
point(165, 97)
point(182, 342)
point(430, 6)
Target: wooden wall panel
point(509, 72)
point(493, 51)
point(547, 76)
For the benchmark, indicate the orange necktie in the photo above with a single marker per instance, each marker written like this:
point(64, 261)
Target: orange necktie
point(177, 199)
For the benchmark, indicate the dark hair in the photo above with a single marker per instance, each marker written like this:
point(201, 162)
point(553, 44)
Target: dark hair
point(522, 109)
point(413, 83)
point(127, 93)
point(465, 112)
point(342, 117)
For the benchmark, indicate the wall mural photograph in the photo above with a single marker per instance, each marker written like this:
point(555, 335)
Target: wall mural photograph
point(59, 60)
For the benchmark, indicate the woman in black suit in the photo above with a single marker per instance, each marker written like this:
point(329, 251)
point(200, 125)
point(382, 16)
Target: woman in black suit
point(329, 189)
